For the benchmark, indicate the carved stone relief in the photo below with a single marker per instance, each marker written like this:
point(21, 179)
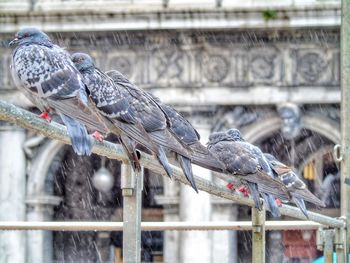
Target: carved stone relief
point(168, 65)
point(215, 67)
point(165, 58)
point(314, 67)
point(265, 65)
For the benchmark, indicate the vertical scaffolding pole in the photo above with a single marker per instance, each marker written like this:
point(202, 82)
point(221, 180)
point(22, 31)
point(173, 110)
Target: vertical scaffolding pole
point(328, 245)
point(345, 111)
point(339, 240)
point(132, 186)
point(258, 235)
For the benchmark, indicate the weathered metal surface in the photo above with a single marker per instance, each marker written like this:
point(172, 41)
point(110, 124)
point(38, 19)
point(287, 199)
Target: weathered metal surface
point(328, 236)
point(258, 235)
point(132, 185)
point(340, 244)
point(345, 109)
point(157, 226)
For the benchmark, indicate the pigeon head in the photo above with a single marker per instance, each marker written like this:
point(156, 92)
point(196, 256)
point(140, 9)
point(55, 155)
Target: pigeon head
point(115, 75)
point(235, 134)
point(83, 62)
point(30, 35)
point(216, 137)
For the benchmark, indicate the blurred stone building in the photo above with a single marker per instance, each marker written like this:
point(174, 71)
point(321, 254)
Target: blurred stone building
point(267, 67)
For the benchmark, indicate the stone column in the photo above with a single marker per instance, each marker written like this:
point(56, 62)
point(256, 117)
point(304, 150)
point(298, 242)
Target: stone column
point(195, 246)
point(275, 249)
point(171, 238)
point(40, 199)
point(170, 203)
point(224, 243)
point(12, 193)
point(40, 243)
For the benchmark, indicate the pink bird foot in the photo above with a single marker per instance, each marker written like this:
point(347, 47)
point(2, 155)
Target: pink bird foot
point(278, 202)
point(244, 190)
point(230, 186)
point(97, 136)
point(46, 116)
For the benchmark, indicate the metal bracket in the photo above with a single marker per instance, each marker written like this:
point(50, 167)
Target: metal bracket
point(128, 180)
point(132, 186)
point(340, 244)
point(337, 153)
point(258, 235)
point(325, 241)
point(328, 239)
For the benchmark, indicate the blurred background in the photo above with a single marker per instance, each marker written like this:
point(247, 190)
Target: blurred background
point(267, 67)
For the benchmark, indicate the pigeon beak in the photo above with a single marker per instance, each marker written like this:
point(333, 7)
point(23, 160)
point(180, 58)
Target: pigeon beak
point(13, 42)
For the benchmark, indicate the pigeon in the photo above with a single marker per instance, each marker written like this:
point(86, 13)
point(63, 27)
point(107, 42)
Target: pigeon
point(48, 77)
point(247, 162)
point(185, 132)
point(294, 184)
point(122, 102)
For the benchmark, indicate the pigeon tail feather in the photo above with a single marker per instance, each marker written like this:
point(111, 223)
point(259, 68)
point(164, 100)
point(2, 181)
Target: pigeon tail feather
point(253, 188)
point(129, 147)
point(186, 166)
point(202, 157)
point(306, 195)
point(164, 162)
point(266, 184)
point(301, 204)
point(271, 205)
point(167, 139)
point(79, 136)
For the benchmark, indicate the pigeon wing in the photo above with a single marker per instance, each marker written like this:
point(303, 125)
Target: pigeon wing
point(151, 116)
point(181, 127)
point(238, 160)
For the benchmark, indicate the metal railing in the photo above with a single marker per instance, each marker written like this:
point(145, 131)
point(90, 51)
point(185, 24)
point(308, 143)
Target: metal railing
point(132, 185)
point(28, 120)
point(158, 226)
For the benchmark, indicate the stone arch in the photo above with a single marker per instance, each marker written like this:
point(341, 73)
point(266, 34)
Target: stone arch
point(40, 166)
point(258, 128)
point(324, 126)
point(41, 199)
point(40, 202)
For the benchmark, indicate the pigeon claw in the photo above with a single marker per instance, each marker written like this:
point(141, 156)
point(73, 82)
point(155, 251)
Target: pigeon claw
point(278, 202)
point(244, 190)
point(46, 116)
point(97, 136)
point(230, 186)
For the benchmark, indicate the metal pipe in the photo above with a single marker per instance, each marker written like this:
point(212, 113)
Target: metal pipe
point(258, 235)
point(131, 184)
point(339, 242)
point(328, 245)
point(345, 109)
point(156, 226)
point(27, 120)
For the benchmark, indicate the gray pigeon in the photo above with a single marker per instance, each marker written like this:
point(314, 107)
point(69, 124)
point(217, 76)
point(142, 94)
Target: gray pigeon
point(248, 163)
point(185, 132)
point(294, 184)
point(48, 77)
point(122, 102)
